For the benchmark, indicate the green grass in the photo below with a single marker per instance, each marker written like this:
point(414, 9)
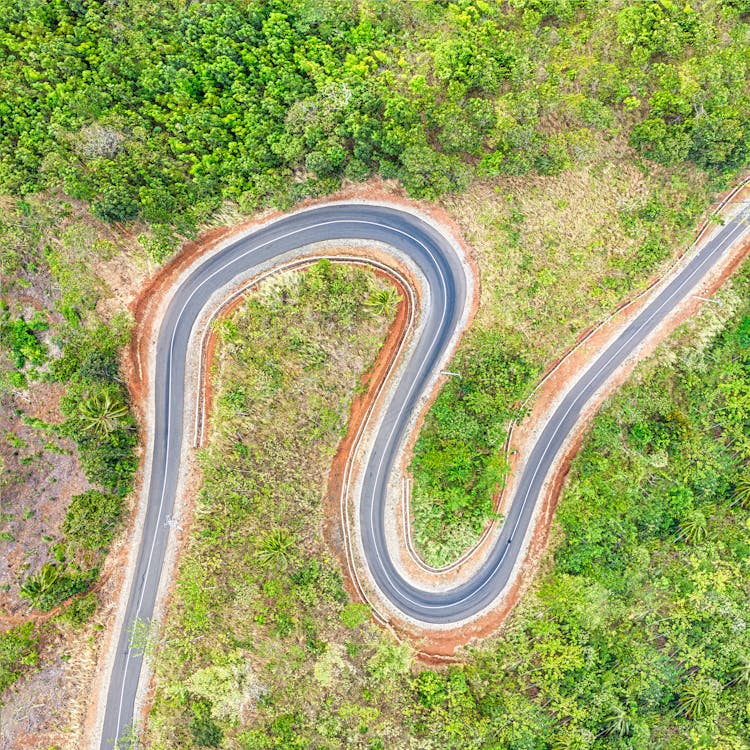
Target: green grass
point(18, 653)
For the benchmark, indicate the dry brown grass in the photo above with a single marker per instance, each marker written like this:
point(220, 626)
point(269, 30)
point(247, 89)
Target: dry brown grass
point(563, 270)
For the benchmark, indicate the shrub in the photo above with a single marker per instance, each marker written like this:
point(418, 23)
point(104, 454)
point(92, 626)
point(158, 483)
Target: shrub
point(80, 610)
point(53, 584)
point(91, 519)
point(355, 614)
point(17, 652)
point(19, 336)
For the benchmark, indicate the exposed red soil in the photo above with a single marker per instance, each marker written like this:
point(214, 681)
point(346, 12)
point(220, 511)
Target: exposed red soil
point(558, 375)
point(209, 357)
point(147, 303)
point(146, 309)
point(333, 533)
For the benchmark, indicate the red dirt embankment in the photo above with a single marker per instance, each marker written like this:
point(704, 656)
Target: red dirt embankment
point(148, 300)
point(558, 376)
point(357, 414)
point(148, 306)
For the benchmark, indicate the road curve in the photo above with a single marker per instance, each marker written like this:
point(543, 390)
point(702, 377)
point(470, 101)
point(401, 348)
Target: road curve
point(444, 275)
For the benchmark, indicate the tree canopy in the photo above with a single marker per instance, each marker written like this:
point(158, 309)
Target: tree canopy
point(162, 112)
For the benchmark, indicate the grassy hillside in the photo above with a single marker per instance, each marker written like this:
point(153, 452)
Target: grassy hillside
point(260, 616)
point(556, 255)
point(635, 636)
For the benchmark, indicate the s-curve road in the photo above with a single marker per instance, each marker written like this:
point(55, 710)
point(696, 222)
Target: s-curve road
point(445, 275)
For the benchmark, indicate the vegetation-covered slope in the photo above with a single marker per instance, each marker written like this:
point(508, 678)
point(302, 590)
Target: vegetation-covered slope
point(67, 455)
point(160, 111)
point(636, 635)
point(574, 140)
point(260, 614)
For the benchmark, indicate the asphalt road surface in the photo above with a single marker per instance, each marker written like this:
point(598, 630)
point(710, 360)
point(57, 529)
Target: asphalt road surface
point(445, 277)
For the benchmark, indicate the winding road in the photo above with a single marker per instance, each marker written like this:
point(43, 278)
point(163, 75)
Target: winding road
point(449, 288)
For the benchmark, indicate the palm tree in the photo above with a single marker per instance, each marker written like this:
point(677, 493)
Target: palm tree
point(618, 722)
point(742, 489)
point(101, 413)
point(275, 549)
point(36, 586)
point(694, 528)
point(384, 301)
point(696, 699)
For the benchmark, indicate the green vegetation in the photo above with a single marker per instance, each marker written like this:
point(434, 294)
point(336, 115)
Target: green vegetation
point(260, 613)
point(91, 519)
point(95, 405)
point(17, 653)
point(576, 141)
point(80, 610)
point(45, 242)
point(53, 584)
point(20, 337)
point(90, 523)
point(160, 115)
point(557, 256)
point(99, 421)
point(635, 635)
point(458, 460)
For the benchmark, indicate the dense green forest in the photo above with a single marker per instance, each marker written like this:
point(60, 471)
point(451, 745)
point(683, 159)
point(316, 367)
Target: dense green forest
point(160, 111)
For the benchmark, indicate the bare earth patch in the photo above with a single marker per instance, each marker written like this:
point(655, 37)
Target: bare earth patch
point(40, 475)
